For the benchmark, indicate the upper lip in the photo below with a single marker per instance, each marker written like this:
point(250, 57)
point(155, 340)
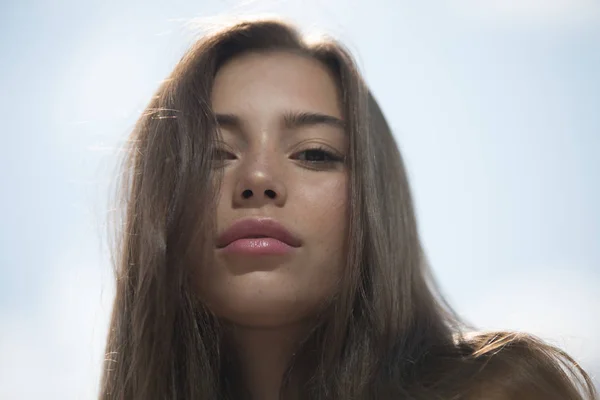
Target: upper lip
point(257, 227)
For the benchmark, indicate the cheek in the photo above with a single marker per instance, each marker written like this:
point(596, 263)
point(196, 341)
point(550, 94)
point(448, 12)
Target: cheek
point(323, 217)
point(326, 207)
point(223, 198)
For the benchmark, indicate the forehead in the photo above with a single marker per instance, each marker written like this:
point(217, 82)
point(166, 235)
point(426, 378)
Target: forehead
point(275, 80)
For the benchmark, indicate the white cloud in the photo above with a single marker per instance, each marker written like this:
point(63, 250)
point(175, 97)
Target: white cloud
point(558, 304)
point(55, 351)
point(531, 12)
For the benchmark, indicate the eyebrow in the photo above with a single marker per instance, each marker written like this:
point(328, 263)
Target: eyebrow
point(291, 120)
point(294, 120)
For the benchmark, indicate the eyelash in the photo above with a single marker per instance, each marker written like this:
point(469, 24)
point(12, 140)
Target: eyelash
point(333, 158)
point(330, 157)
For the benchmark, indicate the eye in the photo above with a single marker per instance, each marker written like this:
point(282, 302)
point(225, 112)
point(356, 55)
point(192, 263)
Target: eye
point(219, 156)
point(317, 156)
point(223, 154)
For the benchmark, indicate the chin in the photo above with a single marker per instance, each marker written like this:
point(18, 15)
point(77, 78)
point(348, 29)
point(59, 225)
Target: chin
point(259, 313)
point(259, 303)
point(260, 318)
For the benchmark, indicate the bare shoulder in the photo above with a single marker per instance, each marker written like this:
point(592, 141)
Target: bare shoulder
point(514, 365)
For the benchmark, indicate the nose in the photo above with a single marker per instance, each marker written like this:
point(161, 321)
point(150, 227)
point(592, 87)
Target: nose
point(259, 186)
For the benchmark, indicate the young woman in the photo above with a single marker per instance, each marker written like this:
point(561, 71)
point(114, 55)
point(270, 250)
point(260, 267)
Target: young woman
point(269, 247)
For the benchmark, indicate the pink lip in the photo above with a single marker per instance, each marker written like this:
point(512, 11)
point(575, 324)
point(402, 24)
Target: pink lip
point(257, 236)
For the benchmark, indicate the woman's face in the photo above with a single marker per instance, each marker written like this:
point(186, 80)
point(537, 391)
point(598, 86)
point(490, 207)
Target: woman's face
point(285, 181)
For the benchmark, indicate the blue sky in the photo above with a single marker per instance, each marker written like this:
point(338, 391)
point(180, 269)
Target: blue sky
point(494, 105)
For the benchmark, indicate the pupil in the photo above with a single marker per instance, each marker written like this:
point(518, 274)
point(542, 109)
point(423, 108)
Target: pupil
point(315, 155)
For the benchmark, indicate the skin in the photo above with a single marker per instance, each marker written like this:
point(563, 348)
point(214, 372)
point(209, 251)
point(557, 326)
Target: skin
point(270, 300)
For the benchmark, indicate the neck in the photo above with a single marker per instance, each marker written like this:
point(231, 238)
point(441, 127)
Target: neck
point(264, 355)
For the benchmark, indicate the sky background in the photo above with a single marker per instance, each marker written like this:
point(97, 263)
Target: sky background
point(495, 105)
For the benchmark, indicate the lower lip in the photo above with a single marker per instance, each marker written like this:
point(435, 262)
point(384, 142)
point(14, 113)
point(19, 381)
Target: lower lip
point(258, 247)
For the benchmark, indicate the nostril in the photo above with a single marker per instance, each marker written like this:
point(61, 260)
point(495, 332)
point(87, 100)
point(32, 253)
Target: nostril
point(247, 193)
point(271, 194)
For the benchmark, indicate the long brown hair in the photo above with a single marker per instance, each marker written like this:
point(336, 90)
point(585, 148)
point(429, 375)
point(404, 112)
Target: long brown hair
point(388, 333)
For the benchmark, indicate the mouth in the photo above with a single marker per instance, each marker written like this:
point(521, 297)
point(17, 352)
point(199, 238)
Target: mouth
point(263, 246)
point(258, 236)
